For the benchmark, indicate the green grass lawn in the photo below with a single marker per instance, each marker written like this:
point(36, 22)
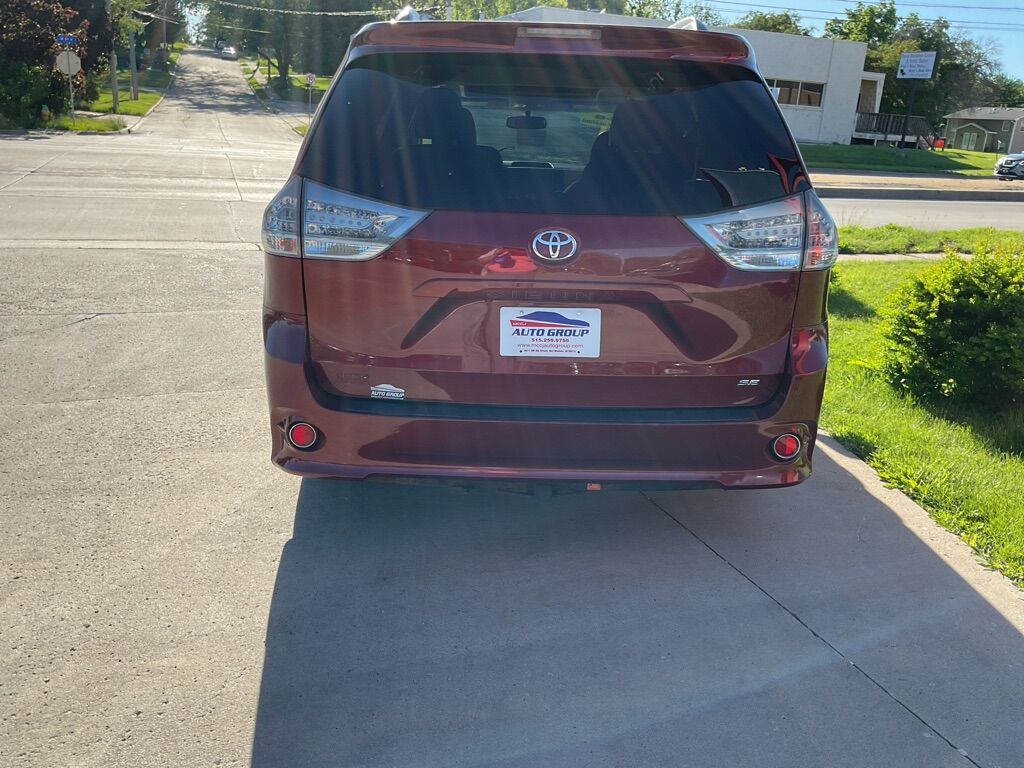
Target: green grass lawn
point(101, 124)
point(105, 103)
point(895, 238)
point(299, 81)
point(868, 158)
point(964, 468)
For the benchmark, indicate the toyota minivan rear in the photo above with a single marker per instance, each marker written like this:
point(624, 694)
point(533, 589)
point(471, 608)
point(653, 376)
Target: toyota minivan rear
point(585, 254)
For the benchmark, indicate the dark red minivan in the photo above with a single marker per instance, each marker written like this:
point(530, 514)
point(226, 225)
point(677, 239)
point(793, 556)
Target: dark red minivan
point(542, 252)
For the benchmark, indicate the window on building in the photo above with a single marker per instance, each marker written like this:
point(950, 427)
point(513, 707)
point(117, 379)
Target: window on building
point(798, 93)
point(1007, 126)
point(811, 93)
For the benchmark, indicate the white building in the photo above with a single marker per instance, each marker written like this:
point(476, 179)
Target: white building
point(821, 83)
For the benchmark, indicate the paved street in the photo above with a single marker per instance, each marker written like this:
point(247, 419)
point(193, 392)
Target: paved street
point(928, 214)
point(170, 599)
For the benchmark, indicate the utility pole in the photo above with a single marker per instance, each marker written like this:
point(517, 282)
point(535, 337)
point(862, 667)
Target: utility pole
point(131, 64)
point(113, 59)
point(910, 107)
point(448, 10)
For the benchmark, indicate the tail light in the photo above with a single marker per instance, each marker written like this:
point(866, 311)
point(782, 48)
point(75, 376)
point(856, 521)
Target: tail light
point(790, 234)
point(337, 225)
point(281, 221)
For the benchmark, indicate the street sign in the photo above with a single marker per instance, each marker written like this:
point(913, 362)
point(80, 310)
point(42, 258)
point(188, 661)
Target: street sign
point(67, 39)
point(916, 65)
point(310, 79)
point(69, 63)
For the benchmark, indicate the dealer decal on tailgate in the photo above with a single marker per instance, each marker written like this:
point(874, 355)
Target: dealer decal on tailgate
point(550, 332)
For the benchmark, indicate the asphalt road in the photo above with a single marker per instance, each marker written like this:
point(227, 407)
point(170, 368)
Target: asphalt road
point(169, 599)
point(928, 214)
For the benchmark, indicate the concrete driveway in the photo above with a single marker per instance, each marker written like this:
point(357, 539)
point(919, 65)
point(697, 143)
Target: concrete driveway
point(169, 599)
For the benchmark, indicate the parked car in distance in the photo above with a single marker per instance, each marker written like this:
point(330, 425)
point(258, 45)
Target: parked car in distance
point(228, 52)
point(1010, 167)
point(585, 255)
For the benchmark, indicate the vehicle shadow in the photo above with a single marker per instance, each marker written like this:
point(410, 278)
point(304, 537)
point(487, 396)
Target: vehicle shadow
point(421, 626)
point(842, 303)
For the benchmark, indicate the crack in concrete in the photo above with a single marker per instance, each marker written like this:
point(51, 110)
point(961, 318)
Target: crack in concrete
point(864, 673)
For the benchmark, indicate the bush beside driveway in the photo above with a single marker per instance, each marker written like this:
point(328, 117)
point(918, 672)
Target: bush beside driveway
point(964, 465)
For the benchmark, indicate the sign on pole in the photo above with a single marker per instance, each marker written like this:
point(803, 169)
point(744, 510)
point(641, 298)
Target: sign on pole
point(69, 63)
point(916, 65)
point(310, 82)
point(67, 39)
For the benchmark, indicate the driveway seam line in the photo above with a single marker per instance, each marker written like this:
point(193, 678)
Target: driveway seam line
point(134, 397)
point(810, 629)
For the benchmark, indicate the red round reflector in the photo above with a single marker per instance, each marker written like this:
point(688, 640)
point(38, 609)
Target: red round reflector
point(786, 447)
point(302, 435)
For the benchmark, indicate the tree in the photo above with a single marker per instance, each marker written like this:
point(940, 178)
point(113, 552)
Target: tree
point(868, 23)
point(97, 37)
point(699, 9)
point(648, 9)
point(28, 47)
point(966, 71)
point(786, 22)
point(1006, 91)
point(492, 9)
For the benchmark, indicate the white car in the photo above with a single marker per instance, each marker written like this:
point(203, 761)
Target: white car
point(228, 52)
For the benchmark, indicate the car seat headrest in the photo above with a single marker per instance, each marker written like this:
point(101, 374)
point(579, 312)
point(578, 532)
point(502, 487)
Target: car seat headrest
point(440, 117)
point(658, 125)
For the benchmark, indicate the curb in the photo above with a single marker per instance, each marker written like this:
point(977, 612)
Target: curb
point(152, 109)
point(267, 105)
point(904, 193)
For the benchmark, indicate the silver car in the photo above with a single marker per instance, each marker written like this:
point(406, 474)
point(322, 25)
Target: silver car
point(228, 53)
point(1011, 167)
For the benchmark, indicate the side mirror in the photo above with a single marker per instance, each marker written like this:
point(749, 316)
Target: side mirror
point(526, 122)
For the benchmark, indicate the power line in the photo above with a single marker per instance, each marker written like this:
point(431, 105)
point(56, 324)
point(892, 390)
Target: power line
point(293, 12)
point(959, 7)
point(982, 26)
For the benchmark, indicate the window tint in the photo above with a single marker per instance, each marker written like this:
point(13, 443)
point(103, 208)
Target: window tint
point(532, 133)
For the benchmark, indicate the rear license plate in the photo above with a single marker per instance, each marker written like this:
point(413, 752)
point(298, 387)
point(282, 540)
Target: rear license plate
point(550, 332)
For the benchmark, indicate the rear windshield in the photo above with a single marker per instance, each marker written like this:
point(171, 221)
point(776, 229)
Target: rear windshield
point(551, 133)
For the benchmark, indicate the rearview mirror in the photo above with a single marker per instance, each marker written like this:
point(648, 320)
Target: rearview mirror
point(526, 122)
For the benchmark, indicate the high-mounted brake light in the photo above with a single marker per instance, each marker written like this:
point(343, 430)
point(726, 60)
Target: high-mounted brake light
point(339, 225)
point(579, 33)
point(281, 221)
point(788, 234)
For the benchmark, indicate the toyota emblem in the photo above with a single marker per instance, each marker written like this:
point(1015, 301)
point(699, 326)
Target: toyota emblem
point(553, 246)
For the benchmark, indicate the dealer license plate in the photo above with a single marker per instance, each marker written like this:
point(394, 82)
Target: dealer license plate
point(550, 332)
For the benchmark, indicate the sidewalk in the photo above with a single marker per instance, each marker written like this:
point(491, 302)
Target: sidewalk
point(294, 113)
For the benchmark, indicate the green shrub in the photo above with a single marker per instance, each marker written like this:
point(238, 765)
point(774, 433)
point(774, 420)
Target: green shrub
point(24, 89)
point(956, 331)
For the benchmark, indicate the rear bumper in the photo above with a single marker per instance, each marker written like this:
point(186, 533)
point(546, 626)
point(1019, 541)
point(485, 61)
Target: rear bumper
point(361, 438)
